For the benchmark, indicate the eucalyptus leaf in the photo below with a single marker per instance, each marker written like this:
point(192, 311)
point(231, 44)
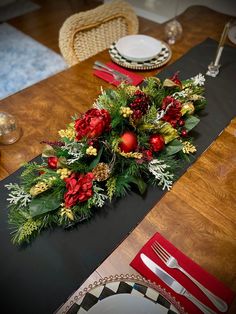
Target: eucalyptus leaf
point(174, 147)
point(96, 160)
point(191, 122)
point(44, 204)
point(142, 186)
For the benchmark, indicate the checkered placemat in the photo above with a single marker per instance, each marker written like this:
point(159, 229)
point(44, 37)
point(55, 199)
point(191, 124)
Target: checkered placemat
point(162, 58)
point(84, 304)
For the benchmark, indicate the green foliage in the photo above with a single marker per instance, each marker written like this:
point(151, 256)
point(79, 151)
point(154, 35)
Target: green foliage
point(111, 187)
point(46, 202)
point(142, 186)
point(174, 147)
point(191, 122)
point(96, 160)
point(143, 139)
point(151, 115)
point(122, 185)
point(23, 227)
point(83, 210)
point(80, 167)
point(30, 173)
point(133, 168)
point(155, 91)
point(200, 104)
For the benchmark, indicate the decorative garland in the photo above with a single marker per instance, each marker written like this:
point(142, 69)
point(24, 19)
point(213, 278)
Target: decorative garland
point(133, 136)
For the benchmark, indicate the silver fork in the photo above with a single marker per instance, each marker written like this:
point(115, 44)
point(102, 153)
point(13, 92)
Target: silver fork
point(116, 77)
point(172, 262)
point(116, 74)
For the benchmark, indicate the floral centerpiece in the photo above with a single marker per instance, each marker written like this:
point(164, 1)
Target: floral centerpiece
point(133, 136)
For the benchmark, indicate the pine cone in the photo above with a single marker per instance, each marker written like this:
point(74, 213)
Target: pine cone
point(101, 172)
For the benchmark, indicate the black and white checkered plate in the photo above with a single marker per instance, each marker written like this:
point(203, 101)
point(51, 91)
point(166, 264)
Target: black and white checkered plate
point(95, 298)
point(162, 58)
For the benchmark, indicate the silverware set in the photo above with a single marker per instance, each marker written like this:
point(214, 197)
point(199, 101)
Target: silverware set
point(118, 76)
point(171, 262)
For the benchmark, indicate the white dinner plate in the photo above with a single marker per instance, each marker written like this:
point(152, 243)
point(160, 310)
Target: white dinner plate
point(138, 47)
point(128, 304)
point(158, 61)
point(232, 34)
point(122, 294)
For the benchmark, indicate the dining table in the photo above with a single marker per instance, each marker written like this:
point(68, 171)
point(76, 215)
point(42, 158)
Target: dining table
point(198, 215)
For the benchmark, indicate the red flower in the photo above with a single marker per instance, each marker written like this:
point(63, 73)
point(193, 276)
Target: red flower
point(52, 162)
point(93, 123)
point(176, 80)
point(173, 113)
point(157, 142)
point(79, 188)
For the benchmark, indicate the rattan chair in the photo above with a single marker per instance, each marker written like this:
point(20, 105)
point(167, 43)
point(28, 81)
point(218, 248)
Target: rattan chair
point(86, 33)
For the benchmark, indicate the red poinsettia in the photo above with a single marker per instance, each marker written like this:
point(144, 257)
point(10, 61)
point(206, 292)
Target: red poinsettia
point(93, 123)
point(173, 113)
point(79, 188)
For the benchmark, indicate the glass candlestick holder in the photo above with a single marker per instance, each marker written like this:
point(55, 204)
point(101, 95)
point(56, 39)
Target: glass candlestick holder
point(173, 31)
point(10, 131)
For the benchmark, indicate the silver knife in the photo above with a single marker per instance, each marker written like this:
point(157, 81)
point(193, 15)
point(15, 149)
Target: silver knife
point(174, 284)
point(104, 66)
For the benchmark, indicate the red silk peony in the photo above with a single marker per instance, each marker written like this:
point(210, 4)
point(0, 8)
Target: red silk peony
point(173, 114)
point(93, 123)
point(79, 188)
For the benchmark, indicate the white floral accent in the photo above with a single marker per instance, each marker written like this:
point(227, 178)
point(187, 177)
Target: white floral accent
point(181, 94)
point(18, 196)
point(198, 80)
point(159, 169)
point(98, 197)
point(74, 150)
point(161, 113)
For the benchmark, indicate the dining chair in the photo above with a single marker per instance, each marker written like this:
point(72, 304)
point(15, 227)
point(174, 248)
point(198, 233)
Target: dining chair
point(85, 34)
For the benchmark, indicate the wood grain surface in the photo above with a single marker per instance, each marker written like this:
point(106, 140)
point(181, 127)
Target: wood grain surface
point(199, 214)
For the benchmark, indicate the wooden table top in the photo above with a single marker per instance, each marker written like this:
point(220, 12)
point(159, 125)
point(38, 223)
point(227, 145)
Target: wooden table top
point(198, 214)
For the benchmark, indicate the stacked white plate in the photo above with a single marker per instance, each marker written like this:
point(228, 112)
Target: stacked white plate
point(140, 52)
point(138, 47)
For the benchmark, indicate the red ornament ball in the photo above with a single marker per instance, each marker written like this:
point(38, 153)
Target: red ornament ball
point(184, 133)
point(128, 142)
point(157, 142)
point(52, 162)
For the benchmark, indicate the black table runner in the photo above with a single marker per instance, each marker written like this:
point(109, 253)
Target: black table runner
point(38, 278)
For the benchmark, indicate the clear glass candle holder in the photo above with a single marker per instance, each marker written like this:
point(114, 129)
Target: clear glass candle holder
point(10, 131)
point(173, 31)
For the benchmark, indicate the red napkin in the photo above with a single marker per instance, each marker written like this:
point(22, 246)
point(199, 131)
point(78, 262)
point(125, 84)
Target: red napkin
point(137, 79)
point(207, 280)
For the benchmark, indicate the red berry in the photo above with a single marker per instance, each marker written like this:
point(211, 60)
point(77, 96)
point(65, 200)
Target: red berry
point(147, 154)
point(181, 122)
point(184, 133)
